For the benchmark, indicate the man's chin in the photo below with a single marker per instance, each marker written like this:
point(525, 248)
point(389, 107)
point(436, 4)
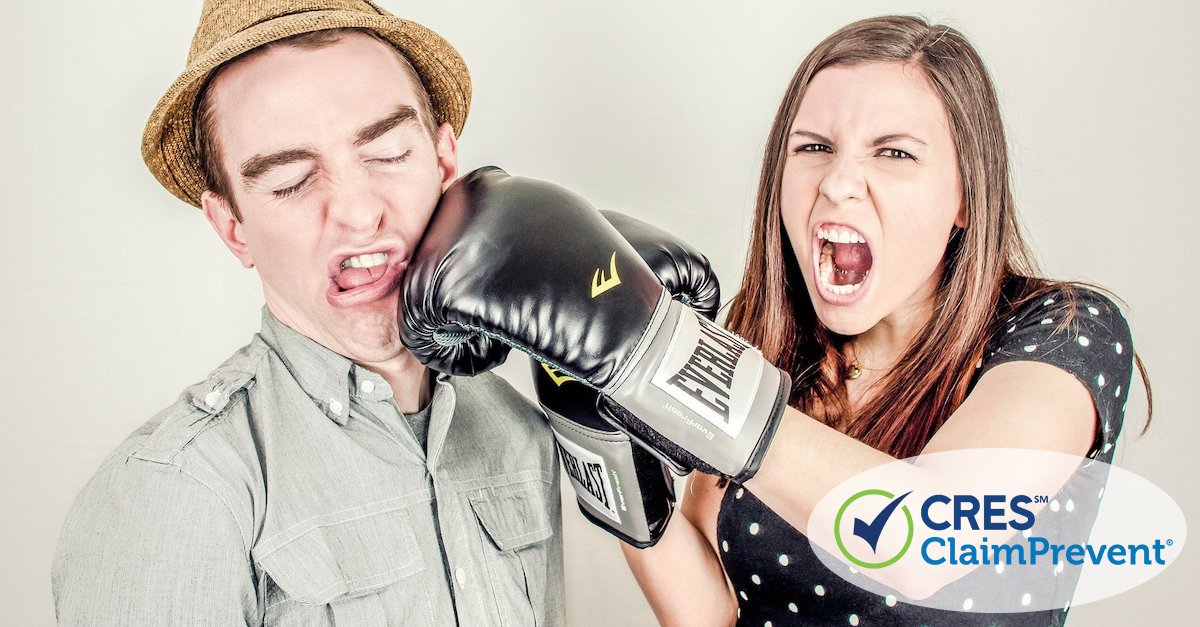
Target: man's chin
point(369, 333)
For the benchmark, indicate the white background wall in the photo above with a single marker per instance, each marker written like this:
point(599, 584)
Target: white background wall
point(116, 295)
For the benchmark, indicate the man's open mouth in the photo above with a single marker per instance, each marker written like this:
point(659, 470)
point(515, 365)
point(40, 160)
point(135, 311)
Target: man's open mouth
point(361, 270)
point(364, 278)
point(844, 259)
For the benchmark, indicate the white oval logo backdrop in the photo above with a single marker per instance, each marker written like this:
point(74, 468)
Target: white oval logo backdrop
point(997, 530)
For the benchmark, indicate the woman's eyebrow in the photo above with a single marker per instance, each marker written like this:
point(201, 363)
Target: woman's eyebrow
point(811, 135)
point(891, 137)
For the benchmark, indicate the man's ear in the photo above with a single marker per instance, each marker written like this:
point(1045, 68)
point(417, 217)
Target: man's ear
point(447, 154)
point(220, 215)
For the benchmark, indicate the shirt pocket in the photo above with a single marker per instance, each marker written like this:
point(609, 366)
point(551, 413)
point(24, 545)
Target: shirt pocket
point(341, 573)
point(515, 525)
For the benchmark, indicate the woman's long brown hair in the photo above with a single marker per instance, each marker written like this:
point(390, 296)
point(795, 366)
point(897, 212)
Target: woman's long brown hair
point(988, 269)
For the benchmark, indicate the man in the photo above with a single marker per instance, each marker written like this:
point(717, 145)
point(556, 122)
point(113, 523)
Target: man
point(321, 474)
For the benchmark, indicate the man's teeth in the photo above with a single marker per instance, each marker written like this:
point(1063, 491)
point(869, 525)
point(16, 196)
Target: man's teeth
point(365, 261)
point(840, 236)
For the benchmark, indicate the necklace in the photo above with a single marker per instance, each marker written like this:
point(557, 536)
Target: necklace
point(854, 370)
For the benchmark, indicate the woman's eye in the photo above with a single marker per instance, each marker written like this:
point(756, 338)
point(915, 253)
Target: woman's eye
point(812, 148)
point(396, 159)
point(895, 153)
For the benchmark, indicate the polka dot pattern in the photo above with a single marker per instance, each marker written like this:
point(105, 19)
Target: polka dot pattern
point(1073, 334)
point(778, 579)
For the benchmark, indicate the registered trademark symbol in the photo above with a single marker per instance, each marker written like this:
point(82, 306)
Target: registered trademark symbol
point(1170, 542)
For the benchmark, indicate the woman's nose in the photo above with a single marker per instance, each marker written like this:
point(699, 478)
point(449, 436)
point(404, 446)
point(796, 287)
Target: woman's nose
point(844, 181)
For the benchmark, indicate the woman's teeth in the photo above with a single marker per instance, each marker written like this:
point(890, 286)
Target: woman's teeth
point(827, 269)
point(365, 261)
point(840, 236)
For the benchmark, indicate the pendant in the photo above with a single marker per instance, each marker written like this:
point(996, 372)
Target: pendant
point(854, 371)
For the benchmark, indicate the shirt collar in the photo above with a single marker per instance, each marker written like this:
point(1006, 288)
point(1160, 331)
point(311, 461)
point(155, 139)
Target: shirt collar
point(329, 378)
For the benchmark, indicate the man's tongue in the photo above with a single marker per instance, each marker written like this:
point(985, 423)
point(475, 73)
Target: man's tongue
point(851, 262)
point(350, 278)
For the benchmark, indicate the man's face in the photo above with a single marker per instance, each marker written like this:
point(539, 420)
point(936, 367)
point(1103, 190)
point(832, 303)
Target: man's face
point(335, 178)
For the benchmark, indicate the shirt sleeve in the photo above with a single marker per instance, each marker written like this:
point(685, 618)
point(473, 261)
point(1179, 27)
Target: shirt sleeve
point(148, 544)
point(1084, 333)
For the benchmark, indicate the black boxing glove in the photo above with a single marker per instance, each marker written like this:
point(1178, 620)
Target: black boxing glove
point(517, 261)
point(619, 485)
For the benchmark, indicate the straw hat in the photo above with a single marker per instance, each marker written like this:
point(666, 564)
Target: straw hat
point(229, 28)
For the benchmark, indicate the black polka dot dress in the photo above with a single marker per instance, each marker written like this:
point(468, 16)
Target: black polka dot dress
point(778, 580)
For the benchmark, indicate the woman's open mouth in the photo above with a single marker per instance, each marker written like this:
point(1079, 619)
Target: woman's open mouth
point(843, 263)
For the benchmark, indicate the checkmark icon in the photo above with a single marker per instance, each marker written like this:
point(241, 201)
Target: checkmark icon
point(870, 531)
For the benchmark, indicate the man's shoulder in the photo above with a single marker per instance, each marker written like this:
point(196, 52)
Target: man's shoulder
point(203, 437)
point(207, 413)
point(200, 449)
point(183, 485)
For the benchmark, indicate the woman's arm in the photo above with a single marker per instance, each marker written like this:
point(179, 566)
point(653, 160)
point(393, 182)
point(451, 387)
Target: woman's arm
point(1027, 405)
point(681, 575)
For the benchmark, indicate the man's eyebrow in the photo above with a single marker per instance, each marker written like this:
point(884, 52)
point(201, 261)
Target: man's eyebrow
point(403, 114)
point(258, 165)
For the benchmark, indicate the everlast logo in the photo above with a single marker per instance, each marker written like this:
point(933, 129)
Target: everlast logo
point(590, 476)
point(708, 374)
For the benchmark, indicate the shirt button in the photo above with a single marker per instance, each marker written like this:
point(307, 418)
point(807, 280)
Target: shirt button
point(367, 386)
point(460, 575)
point(211, 398)
point(335, 407)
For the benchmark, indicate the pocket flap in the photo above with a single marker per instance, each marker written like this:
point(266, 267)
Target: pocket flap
point(514, 515)
point(323, 561)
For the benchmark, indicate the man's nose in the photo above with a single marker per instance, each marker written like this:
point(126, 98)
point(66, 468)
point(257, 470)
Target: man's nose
point(354, 205)
point(844, 181)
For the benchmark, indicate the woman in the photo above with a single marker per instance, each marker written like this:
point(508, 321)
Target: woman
point(886, 250)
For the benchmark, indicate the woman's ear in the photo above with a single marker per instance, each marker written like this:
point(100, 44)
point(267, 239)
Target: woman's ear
point(961, 219)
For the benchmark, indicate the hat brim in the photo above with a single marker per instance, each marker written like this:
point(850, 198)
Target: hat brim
point(167, 146)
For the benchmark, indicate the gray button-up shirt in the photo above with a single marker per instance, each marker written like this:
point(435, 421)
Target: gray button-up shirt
point(287, 489)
